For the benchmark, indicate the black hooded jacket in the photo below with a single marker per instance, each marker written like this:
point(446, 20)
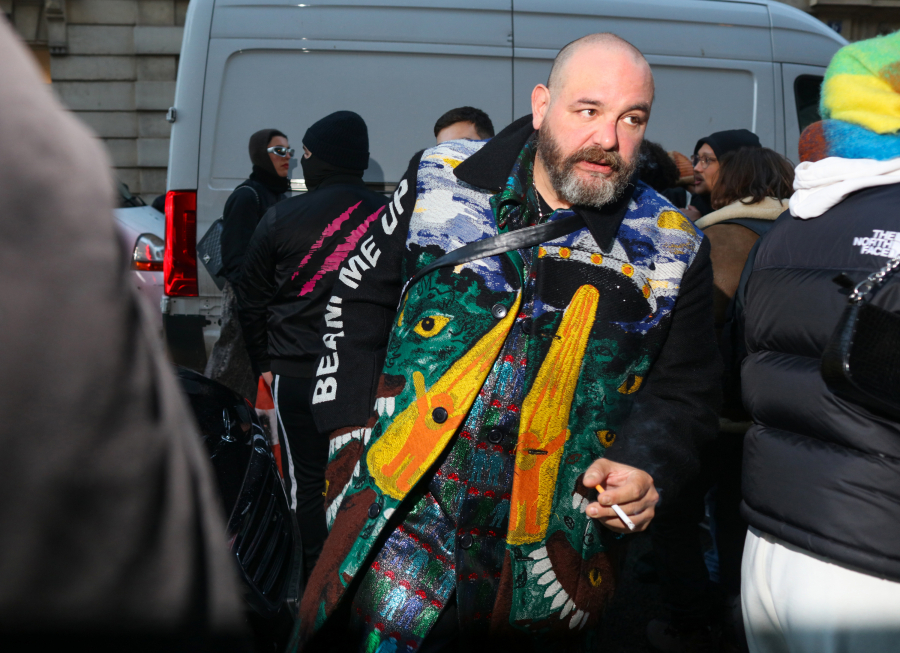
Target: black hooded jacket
point(290, 268)
point(819, 472)
point(248, 203)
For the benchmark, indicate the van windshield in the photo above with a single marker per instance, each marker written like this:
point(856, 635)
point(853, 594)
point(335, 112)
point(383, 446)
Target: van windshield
point(807, 91)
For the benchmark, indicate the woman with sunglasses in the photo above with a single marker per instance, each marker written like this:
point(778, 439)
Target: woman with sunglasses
point(271, 155)
point(268, 184)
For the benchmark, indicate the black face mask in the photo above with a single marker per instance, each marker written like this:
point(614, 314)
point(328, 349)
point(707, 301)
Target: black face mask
point(315, 171)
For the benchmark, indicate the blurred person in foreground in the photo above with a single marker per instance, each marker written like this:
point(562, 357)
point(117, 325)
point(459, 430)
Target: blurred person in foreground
point(752, 190)
point(111, 533)
point(708, 153)
point(268, 184)
point(463, 122)
point(821, 567)
point(471, 425)
point(291, 265)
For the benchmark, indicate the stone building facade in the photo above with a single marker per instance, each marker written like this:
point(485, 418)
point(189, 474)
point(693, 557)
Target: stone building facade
point(113, 63)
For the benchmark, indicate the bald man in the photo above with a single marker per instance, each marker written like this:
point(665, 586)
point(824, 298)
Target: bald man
point(523, 338)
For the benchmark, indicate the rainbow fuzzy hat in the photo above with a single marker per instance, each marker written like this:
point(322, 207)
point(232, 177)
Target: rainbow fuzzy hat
point(860, 104)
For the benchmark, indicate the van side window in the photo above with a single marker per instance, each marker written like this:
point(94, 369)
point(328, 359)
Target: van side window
point(807, 91)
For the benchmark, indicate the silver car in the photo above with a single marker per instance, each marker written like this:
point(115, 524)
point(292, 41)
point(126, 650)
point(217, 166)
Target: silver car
point(144, 231)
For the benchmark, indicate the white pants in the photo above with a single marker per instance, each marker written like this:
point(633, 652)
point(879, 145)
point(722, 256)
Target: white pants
point(797, 602)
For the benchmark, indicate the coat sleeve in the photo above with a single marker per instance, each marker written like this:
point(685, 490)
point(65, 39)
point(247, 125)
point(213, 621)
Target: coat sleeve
point(239, 221)
point(676, 410)
point(256, 289)
point(358, 318)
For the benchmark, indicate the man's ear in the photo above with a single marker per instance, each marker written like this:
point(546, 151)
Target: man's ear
point(540, 104)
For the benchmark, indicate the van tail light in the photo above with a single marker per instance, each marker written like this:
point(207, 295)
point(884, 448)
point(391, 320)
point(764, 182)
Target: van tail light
point(180, 259)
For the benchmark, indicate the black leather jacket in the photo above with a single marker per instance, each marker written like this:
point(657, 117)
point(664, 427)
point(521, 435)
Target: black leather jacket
point(290, 267)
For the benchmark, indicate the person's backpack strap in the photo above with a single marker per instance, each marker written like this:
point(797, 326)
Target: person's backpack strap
point(756, 225)
point(736, 305)
point(518, 239)
point(733, 343)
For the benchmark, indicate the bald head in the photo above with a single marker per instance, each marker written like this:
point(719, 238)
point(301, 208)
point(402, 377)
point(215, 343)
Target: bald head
point(602, 43)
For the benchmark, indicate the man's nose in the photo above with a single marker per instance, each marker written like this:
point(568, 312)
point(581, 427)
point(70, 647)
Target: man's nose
point(606, 136)
point(697, 167)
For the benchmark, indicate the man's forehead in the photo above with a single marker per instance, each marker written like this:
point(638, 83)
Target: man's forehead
point(598, 71)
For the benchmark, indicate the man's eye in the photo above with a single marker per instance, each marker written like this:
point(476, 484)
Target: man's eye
point(589, 112)
point(633, 120)
point(431, 325)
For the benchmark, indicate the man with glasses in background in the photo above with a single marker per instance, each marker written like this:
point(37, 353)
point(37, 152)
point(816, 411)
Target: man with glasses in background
point(707, 153)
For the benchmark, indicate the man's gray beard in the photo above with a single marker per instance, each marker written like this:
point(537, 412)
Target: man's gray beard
point(597, 191)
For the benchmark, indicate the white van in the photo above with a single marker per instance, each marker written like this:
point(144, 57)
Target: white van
point(247, 65)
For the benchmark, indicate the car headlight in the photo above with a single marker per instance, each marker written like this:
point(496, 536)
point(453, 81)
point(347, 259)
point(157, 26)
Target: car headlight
point(148, 253)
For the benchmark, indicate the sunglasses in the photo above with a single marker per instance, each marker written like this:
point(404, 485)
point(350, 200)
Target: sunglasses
point(280, 150)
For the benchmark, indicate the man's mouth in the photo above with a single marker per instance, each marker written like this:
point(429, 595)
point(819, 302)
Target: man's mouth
point(602, 166)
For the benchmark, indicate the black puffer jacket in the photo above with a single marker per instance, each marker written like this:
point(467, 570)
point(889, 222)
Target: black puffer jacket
point(243, 210)
point(819, 472)
point(290, 268)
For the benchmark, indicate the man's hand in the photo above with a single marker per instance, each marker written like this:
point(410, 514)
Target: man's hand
point(268, 378)
point(631, 488)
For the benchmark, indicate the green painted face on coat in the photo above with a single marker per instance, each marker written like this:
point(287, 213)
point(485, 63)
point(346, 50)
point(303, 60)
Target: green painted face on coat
point(449, 344)
point(442, 317)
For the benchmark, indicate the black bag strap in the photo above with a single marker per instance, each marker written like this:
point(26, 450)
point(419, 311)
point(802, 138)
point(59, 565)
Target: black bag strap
point(734, 315)
point(518, 239)
point(757, 225)
point(733, 339)
point(865, 290)
point(255, 196)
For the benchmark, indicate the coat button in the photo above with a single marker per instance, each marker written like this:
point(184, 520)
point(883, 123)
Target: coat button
point(466, 540)
point(495, 436)
point(374, 510)
point(439, 415)
point(499, 311)
point(526, 325)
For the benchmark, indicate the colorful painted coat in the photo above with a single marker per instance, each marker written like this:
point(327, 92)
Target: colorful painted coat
point(622, 364)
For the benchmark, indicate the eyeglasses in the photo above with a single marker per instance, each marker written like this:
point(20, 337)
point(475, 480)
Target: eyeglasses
point(703, 161)
point(280, 150)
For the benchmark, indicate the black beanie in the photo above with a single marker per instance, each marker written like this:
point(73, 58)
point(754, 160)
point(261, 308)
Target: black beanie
point(341, 139)
point(259, 143)
point(727, 141)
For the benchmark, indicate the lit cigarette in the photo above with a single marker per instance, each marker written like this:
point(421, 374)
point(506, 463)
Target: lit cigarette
point(619, 511)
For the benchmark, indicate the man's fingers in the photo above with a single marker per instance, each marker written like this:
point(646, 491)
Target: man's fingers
point(600, 511)
point(597, 472)
point(613, 522)
point(634, 489)
point(628, 487)
point(640, 512)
